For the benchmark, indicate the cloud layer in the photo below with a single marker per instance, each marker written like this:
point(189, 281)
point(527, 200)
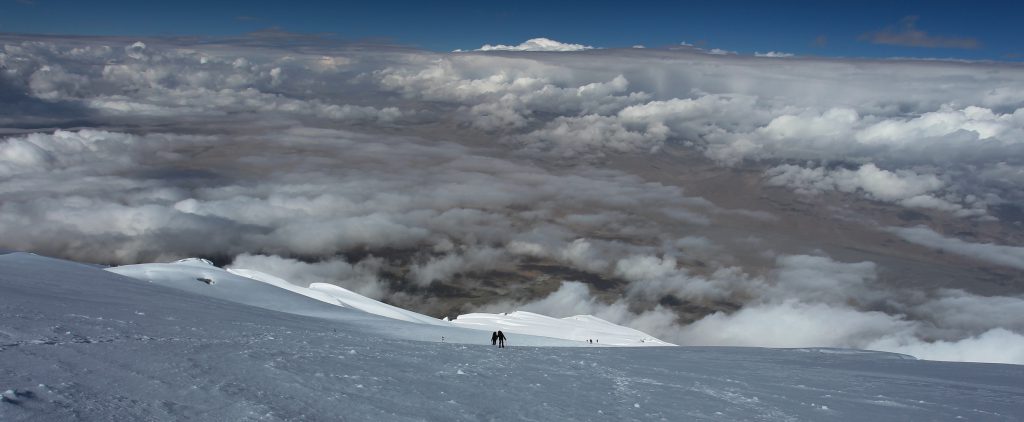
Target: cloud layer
point(507, 178)
point(813, 301)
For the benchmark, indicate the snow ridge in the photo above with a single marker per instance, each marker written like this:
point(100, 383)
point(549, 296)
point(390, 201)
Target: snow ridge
point(329, 301)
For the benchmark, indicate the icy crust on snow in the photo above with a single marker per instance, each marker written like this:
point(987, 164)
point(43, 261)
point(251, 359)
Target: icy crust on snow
point(578, 328)
point(81, 343)
point(321, 300)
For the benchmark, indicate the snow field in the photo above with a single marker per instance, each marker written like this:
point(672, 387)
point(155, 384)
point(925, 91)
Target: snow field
point(80, 343)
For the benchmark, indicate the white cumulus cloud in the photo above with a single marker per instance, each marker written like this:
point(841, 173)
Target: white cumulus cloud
point(536, 44)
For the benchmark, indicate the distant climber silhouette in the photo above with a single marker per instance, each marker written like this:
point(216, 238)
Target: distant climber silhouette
point(494, 338)
point(501, 339)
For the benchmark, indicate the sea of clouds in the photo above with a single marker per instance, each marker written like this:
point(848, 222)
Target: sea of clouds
point(317, 161)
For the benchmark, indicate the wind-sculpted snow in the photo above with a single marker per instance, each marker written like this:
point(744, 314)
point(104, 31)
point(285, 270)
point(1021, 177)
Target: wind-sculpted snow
point(262, 290)
point(80, 343)
point(696, 195)
point(339, 296)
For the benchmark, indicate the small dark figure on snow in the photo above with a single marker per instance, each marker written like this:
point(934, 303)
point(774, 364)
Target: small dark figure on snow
point(501, 339)
point(494, 338)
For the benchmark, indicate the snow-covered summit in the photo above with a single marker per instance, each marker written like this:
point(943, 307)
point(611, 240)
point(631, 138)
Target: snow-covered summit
point(198, 262)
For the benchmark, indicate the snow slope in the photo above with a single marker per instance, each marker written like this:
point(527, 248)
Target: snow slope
point(267, 291)
point(579, 328)
point(81, 343)
point(342, 297)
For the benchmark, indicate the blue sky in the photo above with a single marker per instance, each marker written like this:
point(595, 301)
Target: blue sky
point(942, 29)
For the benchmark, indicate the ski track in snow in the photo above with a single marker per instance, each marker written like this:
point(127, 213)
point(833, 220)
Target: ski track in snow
point(79, 343)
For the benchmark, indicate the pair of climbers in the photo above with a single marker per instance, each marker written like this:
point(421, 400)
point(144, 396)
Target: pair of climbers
point(498, 338)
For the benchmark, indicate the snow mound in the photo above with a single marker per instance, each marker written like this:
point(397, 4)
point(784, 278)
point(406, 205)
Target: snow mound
point(337, 295)
point(198, 262)
point(202, 277)
point(329, 301)
point(285, 284)
point(577, 328)
point(368, 305)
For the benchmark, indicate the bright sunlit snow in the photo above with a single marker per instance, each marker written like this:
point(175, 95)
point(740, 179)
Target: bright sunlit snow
point(267, 291)
point(81, 343)
point(579, 328)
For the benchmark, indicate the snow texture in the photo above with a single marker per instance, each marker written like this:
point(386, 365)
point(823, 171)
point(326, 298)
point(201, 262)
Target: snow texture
point(81, 343)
